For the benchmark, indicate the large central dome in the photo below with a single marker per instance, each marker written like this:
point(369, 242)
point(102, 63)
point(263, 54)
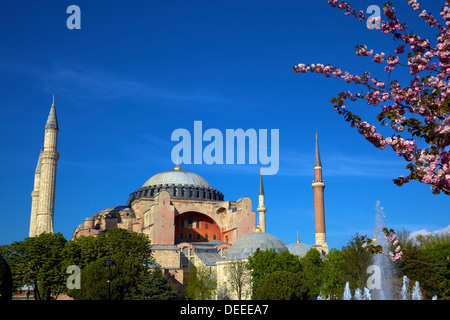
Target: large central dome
point(179, 184)
point(177, 177)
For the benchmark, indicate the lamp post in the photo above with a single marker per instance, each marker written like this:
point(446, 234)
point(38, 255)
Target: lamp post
point(109, 262)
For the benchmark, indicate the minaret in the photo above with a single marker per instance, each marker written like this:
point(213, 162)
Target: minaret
point(319, 208)
point(48, 158)
point(261, 207)
point(35, 197)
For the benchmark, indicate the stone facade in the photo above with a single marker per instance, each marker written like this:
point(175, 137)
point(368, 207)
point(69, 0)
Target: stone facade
point(188, 222)
point(185, 229)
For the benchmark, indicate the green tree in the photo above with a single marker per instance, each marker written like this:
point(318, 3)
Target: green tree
point(438, 257)
point(312, 273)
point(425, 259)
point(155, 286)
point(83, 250)
point(201, 284)
point(38, 260)
point(332, 285)
point(263, 263)
point(280, 285)
point(354, 263)
point(131, 252)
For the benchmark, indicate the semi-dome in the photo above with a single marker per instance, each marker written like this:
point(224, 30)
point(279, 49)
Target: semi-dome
point(247, 245)
point(177, 177)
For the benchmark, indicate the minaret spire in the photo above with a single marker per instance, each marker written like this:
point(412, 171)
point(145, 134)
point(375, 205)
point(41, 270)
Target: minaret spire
point(52, 121)
point(319, 207)
point(261, 206)
point(317, 161)
point(43, 220)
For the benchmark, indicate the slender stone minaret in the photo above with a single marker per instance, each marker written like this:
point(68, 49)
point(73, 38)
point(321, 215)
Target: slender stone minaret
point(43, 221)
point(35, 197)
point(319, 207)
point(261, 207)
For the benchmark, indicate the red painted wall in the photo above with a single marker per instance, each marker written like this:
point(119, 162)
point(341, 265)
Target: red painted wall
point(194, 227)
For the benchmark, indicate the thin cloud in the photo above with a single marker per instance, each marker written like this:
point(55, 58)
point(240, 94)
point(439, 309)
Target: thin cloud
point(424, 232)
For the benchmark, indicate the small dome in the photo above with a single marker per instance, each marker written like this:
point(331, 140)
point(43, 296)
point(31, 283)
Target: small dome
point(299, 249)
point(177, 177)
point(246, 245)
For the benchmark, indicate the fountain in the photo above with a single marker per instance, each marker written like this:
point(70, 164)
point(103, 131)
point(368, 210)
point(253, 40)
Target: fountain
point(358, 294)
point(367, 295)
point(347, 292)
point(417, 294)
point(381, 260)
point(405, 288)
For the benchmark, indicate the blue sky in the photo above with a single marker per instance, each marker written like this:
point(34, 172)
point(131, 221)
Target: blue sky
point(138, 70)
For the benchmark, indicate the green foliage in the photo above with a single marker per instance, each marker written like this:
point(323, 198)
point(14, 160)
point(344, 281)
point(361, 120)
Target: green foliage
point(131, 252)
point(332, 285)
point(43, 260)
point(426, 259)
point(280, 285)
point(201, 284)
point(155, 286)
point(312, 273)
point(38, 260)
point(355, 261)
point(263, 263)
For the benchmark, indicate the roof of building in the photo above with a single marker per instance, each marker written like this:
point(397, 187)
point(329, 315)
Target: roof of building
point(299, 249)
point(317, 161)
point(207, 251)
point(179, 184)
point(247, 245)
point(177, 177)
point(261, 186)
point(117, 209)
point(52, 121)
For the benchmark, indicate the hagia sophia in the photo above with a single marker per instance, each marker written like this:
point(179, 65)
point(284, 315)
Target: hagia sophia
point(188, 221)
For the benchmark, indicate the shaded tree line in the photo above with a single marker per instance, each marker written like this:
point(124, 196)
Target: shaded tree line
point(43, 261)
point(284, 276)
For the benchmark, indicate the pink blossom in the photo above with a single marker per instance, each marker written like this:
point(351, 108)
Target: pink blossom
point(400, 49)
point(378, 58)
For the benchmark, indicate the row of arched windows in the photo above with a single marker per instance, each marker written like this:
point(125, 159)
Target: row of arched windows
point(198, 236)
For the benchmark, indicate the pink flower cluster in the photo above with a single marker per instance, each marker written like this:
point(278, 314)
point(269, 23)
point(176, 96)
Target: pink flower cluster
point(427, 97)
point(398, 253)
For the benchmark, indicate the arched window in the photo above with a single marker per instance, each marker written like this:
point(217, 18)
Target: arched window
point(206, 237)
point(214, 236)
